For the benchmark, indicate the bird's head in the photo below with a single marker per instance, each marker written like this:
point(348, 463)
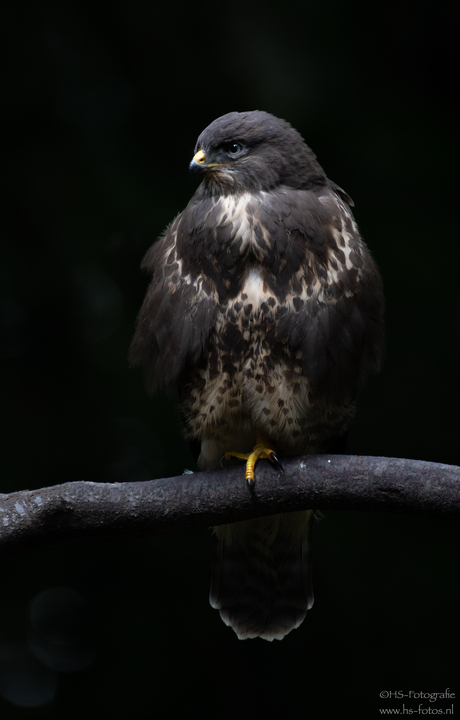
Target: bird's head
point(246, 151)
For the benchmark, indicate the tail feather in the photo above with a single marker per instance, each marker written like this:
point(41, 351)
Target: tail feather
point(261, 575)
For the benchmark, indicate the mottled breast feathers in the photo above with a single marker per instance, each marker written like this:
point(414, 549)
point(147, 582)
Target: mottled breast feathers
point(318, 284)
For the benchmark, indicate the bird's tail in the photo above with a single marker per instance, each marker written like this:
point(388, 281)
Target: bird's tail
point(261, 576)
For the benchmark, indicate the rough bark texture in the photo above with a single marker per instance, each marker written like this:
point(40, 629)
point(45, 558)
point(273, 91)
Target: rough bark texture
point(88, 509)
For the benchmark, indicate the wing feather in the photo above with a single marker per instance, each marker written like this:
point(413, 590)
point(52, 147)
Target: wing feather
point(176, 316)
point(338, 323)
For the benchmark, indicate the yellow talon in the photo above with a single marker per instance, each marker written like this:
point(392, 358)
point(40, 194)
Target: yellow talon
point(260, 452)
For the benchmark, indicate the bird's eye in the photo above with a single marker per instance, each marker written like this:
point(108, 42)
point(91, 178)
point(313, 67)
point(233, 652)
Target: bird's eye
point(234, 148)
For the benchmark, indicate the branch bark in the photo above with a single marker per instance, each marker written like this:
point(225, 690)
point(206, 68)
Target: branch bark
point(340, 482)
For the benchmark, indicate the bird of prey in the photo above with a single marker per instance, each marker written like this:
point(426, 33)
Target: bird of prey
point(264, 315)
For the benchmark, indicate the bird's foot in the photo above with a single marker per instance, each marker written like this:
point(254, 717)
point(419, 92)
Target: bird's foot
point(260, 452)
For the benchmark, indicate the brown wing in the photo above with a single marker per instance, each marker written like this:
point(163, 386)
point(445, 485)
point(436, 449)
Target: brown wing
point(176, 316)
point(329, 291)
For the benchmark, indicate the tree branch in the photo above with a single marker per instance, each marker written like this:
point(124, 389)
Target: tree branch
point(340, 482)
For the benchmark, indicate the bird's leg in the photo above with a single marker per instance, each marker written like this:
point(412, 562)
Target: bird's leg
point(261, 451)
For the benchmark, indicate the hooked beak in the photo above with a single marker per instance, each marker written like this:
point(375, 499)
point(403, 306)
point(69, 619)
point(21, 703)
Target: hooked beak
point(199, 164)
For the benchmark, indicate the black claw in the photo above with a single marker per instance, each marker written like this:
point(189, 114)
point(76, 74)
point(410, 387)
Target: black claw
point(251, 483)
point(276, 462)
point(222, 461)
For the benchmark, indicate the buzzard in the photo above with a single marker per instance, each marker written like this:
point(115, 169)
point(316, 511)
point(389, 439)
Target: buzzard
point(264, 315)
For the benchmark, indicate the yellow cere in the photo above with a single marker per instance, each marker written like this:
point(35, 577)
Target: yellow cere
point(199, 157)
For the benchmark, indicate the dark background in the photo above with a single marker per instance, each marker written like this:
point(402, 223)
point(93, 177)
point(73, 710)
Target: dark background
point(104, 105)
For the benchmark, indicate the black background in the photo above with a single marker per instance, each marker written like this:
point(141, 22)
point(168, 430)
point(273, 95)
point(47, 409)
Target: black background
point(104, 105)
